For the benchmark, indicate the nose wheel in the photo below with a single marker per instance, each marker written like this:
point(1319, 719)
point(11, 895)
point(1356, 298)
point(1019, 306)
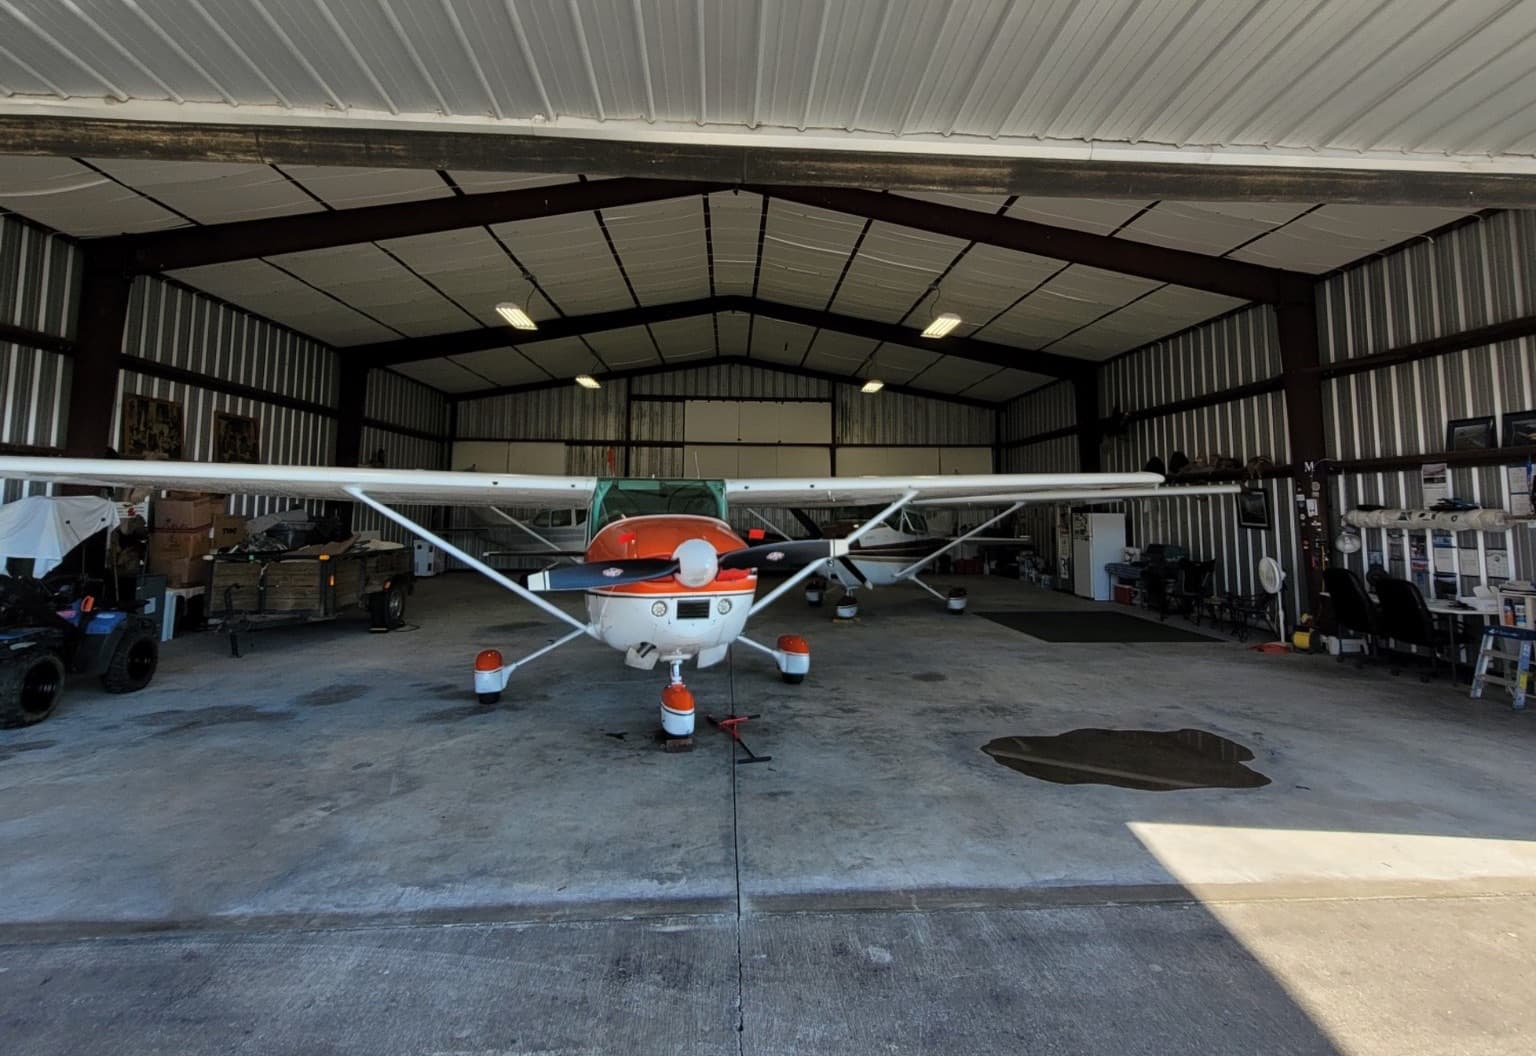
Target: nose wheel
point(676, 713)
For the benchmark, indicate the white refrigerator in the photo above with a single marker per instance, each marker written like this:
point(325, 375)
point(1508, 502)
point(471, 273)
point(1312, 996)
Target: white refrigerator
point(1097, 540)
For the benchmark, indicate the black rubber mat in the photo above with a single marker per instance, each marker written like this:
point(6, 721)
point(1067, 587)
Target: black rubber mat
point(1094, 627)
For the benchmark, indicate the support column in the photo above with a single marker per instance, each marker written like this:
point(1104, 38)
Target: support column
point(1303, 387)
point(1085, 393)
point(104, 290)
point(351, 401)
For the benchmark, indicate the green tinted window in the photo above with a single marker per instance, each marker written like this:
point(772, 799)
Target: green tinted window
point(616, 498)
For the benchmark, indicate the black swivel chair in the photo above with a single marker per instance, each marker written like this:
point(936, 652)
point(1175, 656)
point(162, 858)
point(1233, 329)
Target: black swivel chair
point(1353, 610)
point(1154, 589)
point(1196, 583)
point(1407, 620)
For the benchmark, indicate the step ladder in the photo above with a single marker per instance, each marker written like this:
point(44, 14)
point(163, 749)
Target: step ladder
point(1519, 680)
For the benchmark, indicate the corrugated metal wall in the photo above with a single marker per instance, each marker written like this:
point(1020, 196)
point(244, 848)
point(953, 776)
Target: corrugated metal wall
point(1481, 273)
point(398, 400)
point(1045, 409)
point(732, 381)
point(1234, 350)
point(896, 418)
point(39, 290)
point(566, 413)
point(179, 327)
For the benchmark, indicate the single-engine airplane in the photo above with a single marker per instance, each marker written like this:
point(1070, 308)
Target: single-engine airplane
point(901, 547)
point(665, 576)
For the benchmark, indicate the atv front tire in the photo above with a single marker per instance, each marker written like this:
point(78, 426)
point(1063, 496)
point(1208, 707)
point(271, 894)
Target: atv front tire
point(30, 687)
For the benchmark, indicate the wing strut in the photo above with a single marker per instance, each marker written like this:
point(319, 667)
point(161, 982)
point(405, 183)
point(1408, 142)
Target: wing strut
point(469, 559)
point(910, 569)
point(514, 522)
point(835, 548)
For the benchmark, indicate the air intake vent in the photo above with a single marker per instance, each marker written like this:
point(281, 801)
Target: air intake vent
point(694, 609)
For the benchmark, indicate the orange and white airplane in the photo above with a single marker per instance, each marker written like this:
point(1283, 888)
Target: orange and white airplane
point(665, 576)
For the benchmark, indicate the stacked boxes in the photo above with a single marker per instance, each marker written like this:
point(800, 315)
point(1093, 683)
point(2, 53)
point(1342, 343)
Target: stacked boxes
point(186, 528)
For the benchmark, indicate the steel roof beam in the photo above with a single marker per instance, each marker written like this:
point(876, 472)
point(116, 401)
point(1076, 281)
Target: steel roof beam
point(410, 350)
point(190, 247)
point(713, 361)
point(1233, 278)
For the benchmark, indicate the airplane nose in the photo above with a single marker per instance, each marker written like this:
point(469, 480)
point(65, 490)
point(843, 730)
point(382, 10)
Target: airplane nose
point(697, 562)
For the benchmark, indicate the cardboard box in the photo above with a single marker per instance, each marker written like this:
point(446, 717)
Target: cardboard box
point(228, 530)
point(167, 546)
point(186, 513)
point(184, 572)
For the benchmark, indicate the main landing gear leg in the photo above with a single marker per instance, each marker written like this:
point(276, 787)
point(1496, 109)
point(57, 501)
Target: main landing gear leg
point(677, 713)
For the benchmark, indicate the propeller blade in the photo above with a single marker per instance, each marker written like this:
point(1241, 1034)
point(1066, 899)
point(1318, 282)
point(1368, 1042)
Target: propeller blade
point(779, 555)
point(602, 574)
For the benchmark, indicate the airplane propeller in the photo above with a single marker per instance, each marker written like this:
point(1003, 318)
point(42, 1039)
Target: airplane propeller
point(695, 563)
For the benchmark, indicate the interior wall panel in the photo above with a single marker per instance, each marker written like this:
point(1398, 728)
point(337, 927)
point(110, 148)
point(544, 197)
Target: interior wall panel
point(1225, 353)
point(286, 436)
point(897, 418)
point(39, 278)
point(39, 290)
point(172, 324)
point(399, 400)
point(1234, 350)
point(1045, 409)
point(567, 413)
point(1479, 273)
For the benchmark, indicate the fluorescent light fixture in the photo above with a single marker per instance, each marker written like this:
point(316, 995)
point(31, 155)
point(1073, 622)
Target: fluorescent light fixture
point(942, 324)
point(587, 381)
point(515, 316)
point(873, 385)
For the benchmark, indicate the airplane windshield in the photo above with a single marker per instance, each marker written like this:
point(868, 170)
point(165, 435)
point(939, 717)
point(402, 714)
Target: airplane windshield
point(618, 498)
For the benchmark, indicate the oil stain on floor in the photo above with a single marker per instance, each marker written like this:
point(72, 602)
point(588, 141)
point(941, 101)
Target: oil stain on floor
point(1149, 760)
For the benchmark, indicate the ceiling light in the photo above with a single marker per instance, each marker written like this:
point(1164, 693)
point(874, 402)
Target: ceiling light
point(515, 316)
point(872, 385)
point(587, 381)
point(941, 325)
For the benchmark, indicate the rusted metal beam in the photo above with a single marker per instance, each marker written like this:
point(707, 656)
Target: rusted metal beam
point(1233, 278)
point(189, 247)
point(512, 151)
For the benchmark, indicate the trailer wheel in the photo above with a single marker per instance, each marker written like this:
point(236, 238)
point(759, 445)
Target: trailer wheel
point(387, 608)
point(30, 687)
point(133, 662)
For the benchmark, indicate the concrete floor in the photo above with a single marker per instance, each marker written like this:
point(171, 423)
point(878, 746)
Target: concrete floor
point(325, 846)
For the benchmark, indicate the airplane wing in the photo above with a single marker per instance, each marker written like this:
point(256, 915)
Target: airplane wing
point(1084, 496)
point(956, 489)
point(404, 486)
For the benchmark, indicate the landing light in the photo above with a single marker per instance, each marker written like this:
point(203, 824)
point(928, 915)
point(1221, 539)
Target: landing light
point(515, 316)
point(941, 325)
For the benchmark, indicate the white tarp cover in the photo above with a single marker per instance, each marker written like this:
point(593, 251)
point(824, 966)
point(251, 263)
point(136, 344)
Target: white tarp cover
point(45, 529)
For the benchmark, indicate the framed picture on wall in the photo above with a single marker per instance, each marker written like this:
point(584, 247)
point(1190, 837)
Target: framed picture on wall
point(1470, 434)
point(151, 428)
point(1520, 429)
point(1253, 509)
point(236, 438)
